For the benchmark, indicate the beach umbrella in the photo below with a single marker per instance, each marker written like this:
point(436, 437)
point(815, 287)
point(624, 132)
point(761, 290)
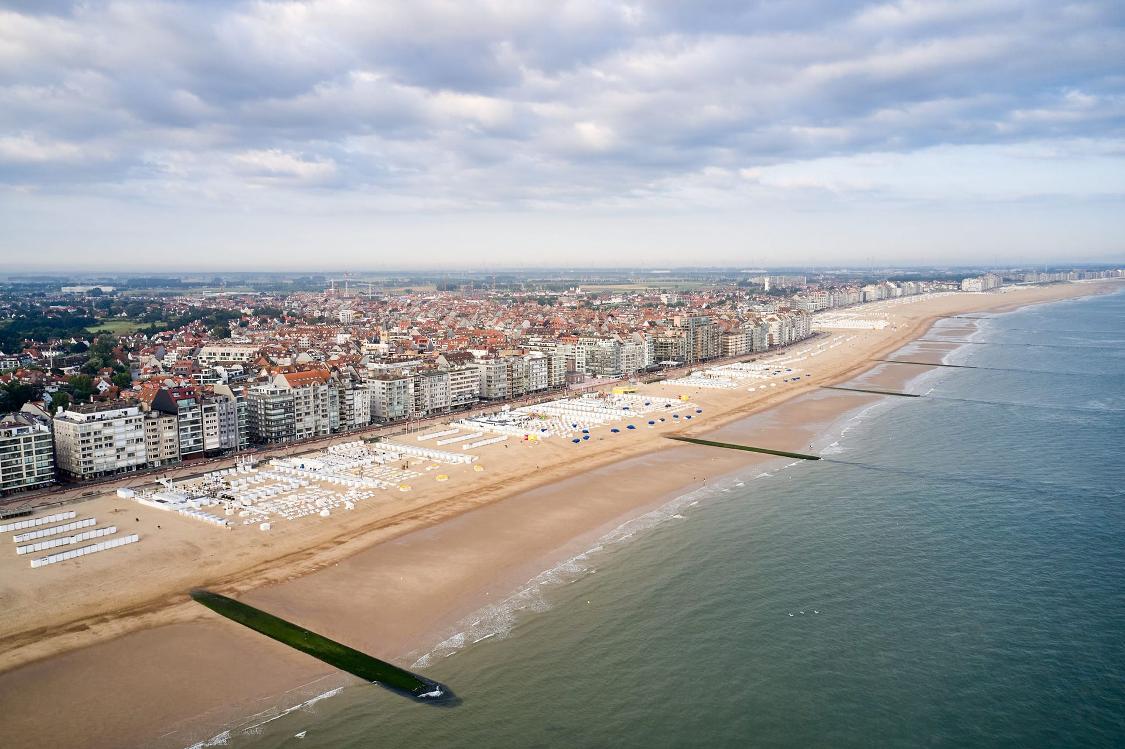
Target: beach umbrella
point(688, 416)
point(586, 437)
point(615, 430)
point(699, 410)
point(576, 440)
point(651, 423)
point(630, 427)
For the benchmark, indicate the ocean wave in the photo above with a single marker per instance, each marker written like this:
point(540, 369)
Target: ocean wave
point(219, 739)
point(263, 718)
point(498, 620)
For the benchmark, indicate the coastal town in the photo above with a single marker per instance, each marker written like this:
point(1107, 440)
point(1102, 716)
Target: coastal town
point(275, 441)
point(104, 381)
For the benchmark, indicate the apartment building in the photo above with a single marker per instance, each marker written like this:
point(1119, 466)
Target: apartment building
point(313, 402)
point(560, 358)
point(353, 401)
point(184, 403)
point(221, 423)
point(788, 327)
point(162, 442)
point(270, 413)
point(228, 354)
point(670, 346)
point(27, 453)
point(735, 343)
point(492, 374)
point(429, 394)
point(987, 282)
point(464, 387)
point(701, 336)
point(391, 396)
point(96, 439)
point(238, 429)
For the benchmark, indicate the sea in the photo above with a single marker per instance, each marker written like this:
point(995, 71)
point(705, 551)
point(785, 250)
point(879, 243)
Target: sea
point(951, 574)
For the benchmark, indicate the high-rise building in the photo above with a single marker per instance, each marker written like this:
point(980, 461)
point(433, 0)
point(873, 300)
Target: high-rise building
point(701, 336)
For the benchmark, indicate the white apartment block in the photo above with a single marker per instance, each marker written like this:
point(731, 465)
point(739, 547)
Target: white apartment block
point(492, 373)
point(537, 372)
point(228, 354)
point(313, 405)
point(987, 282)
point(735, 343)
point(95, 439)
point(464, 387)
point(27, 454)
point(391, 396)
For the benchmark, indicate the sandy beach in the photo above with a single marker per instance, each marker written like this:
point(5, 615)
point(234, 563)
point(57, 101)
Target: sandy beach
point(108, 650)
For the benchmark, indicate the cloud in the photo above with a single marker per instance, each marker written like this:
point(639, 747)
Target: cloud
point(324, 106)
point(273, 164)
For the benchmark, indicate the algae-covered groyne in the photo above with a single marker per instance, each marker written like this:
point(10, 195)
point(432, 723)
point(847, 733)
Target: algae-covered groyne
point(747, 448)
point(331, 652)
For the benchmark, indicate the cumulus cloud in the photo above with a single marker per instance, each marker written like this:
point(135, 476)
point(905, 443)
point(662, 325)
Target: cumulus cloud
point(507, 105)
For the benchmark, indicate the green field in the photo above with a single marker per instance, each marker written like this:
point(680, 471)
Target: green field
point(119, 326)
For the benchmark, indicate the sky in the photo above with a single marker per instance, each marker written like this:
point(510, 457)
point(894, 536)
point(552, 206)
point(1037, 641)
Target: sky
point(458, 133)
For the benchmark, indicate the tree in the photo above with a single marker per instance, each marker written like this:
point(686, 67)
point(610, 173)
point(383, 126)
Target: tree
point(123, 380)
point(59, 402)
point(82, 386)
point(14, 394)
point(93, 365)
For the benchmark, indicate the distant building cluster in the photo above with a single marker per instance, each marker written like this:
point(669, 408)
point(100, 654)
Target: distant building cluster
point(987, 282)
